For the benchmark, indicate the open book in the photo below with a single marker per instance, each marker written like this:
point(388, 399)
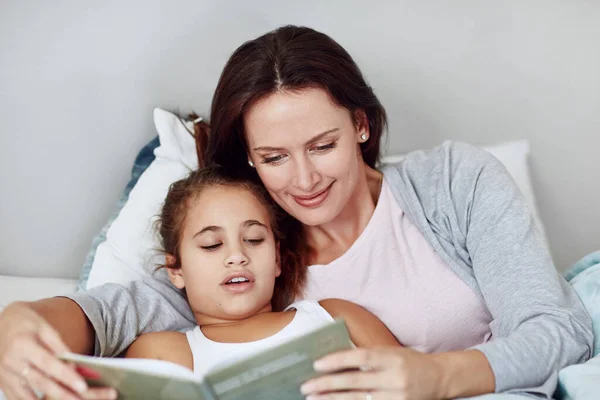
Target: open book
point(276, 373)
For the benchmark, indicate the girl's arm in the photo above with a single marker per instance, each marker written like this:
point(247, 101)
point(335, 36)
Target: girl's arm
point(366, 330)
point(166, 346)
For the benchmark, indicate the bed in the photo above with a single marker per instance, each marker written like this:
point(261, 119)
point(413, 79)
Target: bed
point(120, 251)
point(14, 288)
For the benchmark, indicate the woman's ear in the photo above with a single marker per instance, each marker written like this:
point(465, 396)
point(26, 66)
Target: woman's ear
point(361, 123)
point(175, 274)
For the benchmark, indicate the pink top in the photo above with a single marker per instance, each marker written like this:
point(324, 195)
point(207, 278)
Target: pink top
point(392, 271)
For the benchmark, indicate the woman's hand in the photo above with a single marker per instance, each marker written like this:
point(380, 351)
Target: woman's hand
point(383, 373)
point(400, 373)
point(28, 346)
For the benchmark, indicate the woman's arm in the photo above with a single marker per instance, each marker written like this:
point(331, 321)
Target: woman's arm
point(166, 346)
point(119, 313)
point(31, 335)
point(366, 330)
point(69, 321)
point(540, 325)
point(474, 215)
point(103, 321)
point(464, 374)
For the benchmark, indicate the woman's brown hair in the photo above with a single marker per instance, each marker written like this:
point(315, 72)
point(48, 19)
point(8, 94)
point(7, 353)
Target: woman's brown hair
point(183, 192)
point(288, 58)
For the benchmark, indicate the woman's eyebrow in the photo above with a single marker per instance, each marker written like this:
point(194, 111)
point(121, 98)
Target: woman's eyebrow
point(311, 140)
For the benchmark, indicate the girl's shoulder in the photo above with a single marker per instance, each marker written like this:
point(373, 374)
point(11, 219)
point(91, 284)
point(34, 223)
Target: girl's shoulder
point(167, 346)
point(366, 329)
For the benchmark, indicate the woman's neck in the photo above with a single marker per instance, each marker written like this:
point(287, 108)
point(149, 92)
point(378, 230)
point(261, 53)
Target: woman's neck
point(329, 241)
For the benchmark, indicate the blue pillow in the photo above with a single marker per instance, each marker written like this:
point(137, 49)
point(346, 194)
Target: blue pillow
point(584, 276)
point(579, 381)
point(582, 381)
point(141, 163)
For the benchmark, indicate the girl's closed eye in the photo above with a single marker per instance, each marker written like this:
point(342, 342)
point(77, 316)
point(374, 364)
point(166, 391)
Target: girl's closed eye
point(254, 241)
point(211, 247)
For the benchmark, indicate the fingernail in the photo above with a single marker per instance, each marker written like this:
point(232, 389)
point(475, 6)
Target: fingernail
point(81, 387)
point(311, 398)
point(87, 372)
point(318, 365)
point(306, 388)
point(113, 394)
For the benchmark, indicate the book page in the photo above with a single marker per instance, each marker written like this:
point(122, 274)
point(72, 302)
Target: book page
point(142, 378)
point(277, 373)
point(148, 366)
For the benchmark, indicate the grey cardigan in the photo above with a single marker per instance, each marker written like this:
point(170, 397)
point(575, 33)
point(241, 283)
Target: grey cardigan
point(471, 212)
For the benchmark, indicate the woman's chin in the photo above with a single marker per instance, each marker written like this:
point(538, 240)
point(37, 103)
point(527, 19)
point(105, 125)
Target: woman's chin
point(314, 217)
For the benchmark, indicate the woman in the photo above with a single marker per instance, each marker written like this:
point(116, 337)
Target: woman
point(441, 247)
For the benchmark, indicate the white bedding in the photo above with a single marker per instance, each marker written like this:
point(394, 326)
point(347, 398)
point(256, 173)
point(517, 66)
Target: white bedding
point(14, 288)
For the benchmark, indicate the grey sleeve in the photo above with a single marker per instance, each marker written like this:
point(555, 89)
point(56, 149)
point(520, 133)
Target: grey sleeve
point(539, 324)
point(120, 313)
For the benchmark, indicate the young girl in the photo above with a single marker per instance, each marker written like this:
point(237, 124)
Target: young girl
point(225, 249)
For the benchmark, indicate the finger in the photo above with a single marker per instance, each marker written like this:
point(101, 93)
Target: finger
point(19, 392)
point(364, 381)
point(343, 396)
point(100, 394)
point(56, 369)
point(40, 382)
point(349, 359)
point(51, 339)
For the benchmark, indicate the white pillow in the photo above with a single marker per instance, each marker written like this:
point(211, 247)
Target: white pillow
point(131, 247)
point(514, 156)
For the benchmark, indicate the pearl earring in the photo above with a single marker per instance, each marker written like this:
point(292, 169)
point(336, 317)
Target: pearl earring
point(251, 163)
point(363, 137)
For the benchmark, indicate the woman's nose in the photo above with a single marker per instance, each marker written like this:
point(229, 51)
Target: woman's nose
point(307, 177)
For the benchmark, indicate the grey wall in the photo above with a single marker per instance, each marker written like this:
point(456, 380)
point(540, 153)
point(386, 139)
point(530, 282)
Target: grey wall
point(78, 83)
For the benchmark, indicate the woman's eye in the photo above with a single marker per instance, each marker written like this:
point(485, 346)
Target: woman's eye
point(273, 160)
point(255, 242)
point(325, 147)
point(211, 247)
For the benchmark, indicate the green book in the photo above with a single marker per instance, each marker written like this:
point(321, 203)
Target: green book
point(276, 373)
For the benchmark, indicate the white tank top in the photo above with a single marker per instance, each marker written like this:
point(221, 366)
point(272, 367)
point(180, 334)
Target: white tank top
point(208, 354)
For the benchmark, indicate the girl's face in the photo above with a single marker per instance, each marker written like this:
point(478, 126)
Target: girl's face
point(229, 256)
point(305, 149)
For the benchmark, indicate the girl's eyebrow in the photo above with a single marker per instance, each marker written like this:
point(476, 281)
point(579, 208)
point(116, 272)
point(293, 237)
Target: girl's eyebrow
point(214, 228)
point(315, 138)
point(211, 228)
point(252, 222)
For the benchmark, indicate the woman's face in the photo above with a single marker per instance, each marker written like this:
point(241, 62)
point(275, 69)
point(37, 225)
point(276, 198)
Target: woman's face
point(305, 150)
point(228, 253)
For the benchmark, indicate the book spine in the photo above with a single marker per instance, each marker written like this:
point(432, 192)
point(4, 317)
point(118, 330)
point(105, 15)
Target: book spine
point(207, 391)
